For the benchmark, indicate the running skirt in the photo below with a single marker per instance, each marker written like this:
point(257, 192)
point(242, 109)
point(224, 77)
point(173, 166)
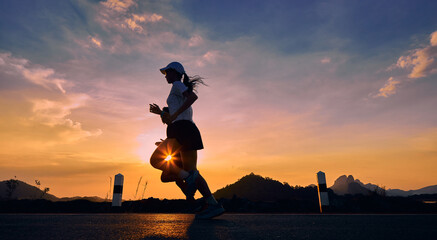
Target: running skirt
point(186, 133)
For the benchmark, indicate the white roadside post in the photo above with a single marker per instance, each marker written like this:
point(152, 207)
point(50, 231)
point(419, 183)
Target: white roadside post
point(118, 190)
point(323, 191)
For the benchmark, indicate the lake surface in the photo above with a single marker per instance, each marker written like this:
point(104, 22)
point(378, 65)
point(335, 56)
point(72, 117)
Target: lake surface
point(227, 226)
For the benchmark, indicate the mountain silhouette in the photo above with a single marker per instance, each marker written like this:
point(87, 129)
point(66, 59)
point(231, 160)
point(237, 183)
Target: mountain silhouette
point(402, 193)
point(90, 198)
point(23, 190)
point(257, 188)
point(348, 185)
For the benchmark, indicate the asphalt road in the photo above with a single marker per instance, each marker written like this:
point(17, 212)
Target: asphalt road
point(227, 226)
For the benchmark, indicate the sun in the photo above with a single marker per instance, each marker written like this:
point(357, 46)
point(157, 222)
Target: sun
point(168, 158)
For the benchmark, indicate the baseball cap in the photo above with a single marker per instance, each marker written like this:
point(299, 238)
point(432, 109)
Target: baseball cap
point(173, 65)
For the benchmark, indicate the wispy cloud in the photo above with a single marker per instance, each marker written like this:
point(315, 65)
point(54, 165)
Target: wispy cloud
point(210, 57)
point(195, 40)
point(53, 109)
point(325, 60)
point(119, 14)
point(421, 61)
point(118, 5)
point(388, 89)
point(136, 21)
point(45, 77)
point(96, 42)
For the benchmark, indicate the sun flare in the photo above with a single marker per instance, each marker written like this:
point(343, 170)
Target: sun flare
point(168, 158)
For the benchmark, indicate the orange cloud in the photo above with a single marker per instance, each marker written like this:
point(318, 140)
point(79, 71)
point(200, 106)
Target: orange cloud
point(146, 18)
point(117, 14)
point(54, 113)
point(96, 42)
point(119, 5)
point(422, 60)
point(133, 22)
point(388, 89)
point(434, 39)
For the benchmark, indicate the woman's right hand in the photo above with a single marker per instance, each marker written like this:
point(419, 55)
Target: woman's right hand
point(157, 143)
point(154, 108)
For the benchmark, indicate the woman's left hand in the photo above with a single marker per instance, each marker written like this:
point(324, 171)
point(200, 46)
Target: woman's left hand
point(154, 108)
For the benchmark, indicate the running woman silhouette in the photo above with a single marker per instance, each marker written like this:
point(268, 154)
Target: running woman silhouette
point(183, 138)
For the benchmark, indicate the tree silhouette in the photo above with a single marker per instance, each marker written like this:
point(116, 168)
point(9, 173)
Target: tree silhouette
point(45, 191)
point(11, 186)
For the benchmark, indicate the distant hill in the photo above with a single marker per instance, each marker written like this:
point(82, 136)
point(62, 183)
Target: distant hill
point(24, 190)
point(425, 190)
point(348, 185)
point(257, 188)
point(91, 199)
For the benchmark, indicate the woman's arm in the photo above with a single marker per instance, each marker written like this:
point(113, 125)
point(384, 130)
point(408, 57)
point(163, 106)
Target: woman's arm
point(191, 97)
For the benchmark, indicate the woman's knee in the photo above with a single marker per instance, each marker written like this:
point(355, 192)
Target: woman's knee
point(158, 156)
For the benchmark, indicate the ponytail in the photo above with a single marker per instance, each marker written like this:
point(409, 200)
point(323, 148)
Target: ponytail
point(192, 82)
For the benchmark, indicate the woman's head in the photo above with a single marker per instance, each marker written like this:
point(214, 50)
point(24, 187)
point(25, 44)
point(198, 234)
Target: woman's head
point(175, 66)
point(172, 75)
point(174, 71)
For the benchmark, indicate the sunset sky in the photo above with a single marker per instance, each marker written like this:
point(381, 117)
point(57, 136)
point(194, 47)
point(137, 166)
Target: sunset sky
point(294, 87)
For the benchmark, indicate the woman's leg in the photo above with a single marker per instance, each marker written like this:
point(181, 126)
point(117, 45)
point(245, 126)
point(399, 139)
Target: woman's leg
point(213, 208)
point(172, 169)
point(169, 146)
point(189, 159)
point(167, 176)
point(170, 177)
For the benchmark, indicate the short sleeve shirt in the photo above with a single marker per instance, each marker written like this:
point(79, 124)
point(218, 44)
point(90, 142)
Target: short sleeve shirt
point(176, 99)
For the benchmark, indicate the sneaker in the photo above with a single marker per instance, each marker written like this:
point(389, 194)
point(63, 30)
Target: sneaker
point(195, 206)
point(213, 210)
point(191, 183)
point(200, 205)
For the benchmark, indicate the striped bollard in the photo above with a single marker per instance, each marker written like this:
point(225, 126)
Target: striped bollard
point(118, 190)
point(323, 191)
